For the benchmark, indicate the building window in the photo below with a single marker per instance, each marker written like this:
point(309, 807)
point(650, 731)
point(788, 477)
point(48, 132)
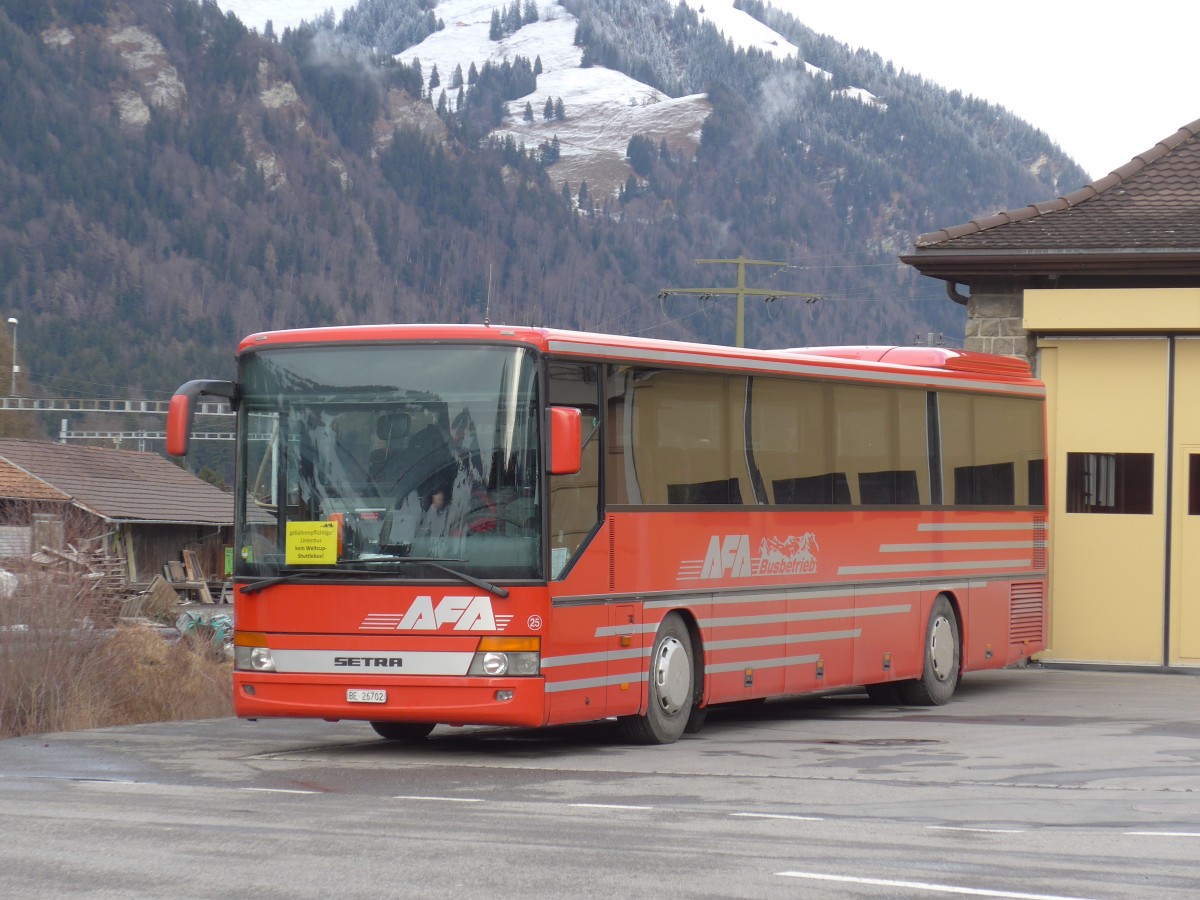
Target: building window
point(1110, 483)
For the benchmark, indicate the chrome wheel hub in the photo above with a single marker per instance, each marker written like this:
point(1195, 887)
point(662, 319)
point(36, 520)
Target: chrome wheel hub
point(672, 675)
point(941, 648)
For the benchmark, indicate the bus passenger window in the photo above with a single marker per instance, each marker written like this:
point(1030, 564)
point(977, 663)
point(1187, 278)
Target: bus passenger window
point(891, 488)
point(831, 489)
point(706, 492)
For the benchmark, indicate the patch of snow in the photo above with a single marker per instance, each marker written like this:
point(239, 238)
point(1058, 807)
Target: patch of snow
point(279, 95)
point(132, 109)
point(147, 58)
point(743, 29)
point(281, 13)
point(863, 96)
point(57, 37)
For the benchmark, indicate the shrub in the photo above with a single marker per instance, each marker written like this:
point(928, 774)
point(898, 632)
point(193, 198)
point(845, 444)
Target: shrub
point(65, 665)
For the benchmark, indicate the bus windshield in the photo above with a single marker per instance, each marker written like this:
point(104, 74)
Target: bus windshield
point(412, 452)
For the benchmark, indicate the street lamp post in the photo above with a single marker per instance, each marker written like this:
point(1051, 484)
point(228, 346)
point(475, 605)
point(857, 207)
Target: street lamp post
point(15, 368)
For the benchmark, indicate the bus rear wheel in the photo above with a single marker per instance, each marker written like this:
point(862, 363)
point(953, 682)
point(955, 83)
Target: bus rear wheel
point(402, 731)
point(942, 659)
point(672, 688)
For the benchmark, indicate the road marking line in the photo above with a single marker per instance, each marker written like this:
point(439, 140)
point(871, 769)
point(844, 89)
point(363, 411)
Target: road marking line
point(441, 799)
point(746, 815)
point(1193, 834)
point(925, 886)
point(606, 806)
point(975, 830)
point(117, 781)
point(280, 791)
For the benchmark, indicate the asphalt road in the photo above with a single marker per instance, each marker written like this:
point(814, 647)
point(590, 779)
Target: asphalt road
point(1031, 783)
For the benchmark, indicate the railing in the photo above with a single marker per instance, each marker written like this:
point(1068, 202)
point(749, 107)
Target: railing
point(85, 405)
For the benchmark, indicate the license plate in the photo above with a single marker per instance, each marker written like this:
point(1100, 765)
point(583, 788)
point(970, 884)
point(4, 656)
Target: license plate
point(357, 696)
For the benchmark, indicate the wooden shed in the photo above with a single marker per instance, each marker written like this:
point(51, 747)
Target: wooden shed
point(144, 510)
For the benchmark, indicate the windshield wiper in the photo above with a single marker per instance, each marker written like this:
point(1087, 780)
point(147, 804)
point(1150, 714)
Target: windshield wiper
point(436, 562)
point(355, 567)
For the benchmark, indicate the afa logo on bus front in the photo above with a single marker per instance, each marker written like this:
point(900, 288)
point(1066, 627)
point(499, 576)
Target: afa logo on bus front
point(732, 556)
point(456, 612)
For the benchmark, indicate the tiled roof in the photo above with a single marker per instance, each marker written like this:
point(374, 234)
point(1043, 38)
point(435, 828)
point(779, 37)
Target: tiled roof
point(1151, 204)
point(17, 484)
point(118, 485)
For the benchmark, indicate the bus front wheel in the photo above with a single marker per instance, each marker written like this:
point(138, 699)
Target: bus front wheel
point(672, 688)
point(942, 659)
point(402, 731)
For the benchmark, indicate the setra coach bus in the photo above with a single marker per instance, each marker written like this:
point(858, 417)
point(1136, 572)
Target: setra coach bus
point(487, 525)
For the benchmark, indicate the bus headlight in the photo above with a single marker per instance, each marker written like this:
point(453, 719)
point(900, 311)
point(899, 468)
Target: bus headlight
point(251, 653)
point(497, 657)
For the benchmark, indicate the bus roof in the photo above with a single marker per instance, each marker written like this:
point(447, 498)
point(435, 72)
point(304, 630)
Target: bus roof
point(913, 365)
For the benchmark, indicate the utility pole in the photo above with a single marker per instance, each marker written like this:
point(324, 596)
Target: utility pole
point(741, 291)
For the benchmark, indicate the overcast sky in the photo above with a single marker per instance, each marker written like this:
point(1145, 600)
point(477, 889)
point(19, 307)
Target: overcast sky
point(1105, 81)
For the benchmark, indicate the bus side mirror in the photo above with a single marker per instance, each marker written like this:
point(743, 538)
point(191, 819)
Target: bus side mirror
point(566, 456)
point(182, 410)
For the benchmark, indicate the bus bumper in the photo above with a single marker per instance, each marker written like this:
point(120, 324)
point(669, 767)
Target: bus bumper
point(440, 700)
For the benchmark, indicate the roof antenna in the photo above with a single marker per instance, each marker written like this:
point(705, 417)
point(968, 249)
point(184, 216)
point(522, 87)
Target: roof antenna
point(487, 309)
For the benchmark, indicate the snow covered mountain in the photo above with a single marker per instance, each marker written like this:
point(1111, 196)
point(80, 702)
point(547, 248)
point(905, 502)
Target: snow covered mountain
point(603, 108)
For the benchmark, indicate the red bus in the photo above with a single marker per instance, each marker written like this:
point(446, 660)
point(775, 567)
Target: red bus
point(465, 524)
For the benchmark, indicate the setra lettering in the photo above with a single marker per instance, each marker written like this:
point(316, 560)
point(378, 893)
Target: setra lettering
point(369, 662)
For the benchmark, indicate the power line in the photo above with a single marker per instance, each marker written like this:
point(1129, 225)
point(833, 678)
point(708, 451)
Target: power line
point(741, 291)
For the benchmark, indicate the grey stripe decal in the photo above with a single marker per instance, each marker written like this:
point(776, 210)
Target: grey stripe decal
point(761, 664)
point(975, 526)
point(966, 545)
point(784, 640)
point(604, 681)
point(807, 616)
point(580, 659)
point(689, 597)
point(938, 567)
point(736, 621)
point(848, 592)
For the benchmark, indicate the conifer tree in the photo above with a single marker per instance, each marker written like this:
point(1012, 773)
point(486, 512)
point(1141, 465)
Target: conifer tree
point(495, 32)
point(548, 110)
point(528, 114)
point(560, 111)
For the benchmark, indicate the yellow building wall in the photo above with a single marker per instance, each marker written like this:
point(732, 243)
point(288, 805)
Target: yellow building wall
point(1184, 643)
point(1106, 570)
point(1119, 311)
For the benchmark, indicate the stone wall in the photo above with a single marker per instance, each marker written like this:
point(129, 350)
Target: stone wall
point(994, 323)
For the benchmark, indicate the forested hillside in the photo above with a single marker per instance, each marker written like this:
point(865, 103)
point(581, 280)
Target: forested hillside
point(170, 181)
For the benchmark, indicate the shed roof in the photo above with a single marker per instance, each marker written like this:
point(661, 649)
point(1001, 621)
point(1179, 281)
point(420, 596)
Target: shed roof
point(17, 484)
point(1144, 215)
point(119, 485)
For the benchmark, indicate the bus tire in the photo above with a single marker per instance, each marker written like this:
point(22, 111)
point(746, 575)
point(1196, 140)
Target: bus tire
point(671, 688)
point(403, 731)
point(942, 659)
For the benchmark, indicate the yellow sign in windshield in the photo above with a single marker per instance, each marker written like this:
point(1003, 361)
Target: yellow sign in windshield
point(311, 543)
